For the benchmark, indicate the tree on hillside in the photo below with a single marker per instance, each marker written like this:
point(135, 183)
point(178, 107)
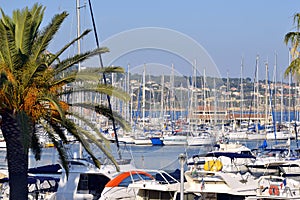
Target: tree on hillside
point(32, 84)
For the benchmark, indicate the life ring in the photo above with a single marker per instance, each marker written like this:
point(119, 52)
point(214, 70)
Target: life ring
point(274, 190)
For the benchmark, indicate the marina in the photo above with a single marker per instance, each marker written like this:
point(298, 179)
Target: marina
point(147, 114)
point(231, 179)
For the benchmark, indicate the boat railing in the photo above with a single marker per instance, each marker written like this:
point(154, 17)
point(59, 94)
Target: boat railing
point(161, 176)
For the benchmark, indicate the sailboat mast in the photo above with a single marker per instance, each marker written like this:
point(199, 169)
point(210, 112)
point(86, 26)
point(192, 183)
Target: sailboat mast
point(228, 99)
point(256, 94)
point(162, 97)
point(172, 94)
point(266, 95)
point(144, 95)
point(257, 88)
point(242, 90)
point(194, 91)
point(275, 84)
point(215, 102)
point(290, 82)
point(78, 31)
point(281, 101)
point(79, 64)
point(204, 88)
point(129, 118)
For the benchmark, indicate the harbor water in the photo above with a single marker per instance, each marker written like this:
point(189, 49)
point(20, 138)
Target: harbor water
point(144, 157)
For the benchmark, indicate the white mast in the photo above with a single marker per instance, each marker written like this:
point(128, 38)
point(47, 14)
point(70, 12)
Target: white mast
point(242, 90)
point(228, 99)
point(172, 94)
point(129, 118)
point(79, 64)
point(78, 30)
point(144, 94)
point(204, 94)
point(266, 94)
point(275, 85)
point(215, 102)
point(256, 93)
point(290, 82)
point(193, 92)
point(162, 98)
point(281, 101)
point(257, 87)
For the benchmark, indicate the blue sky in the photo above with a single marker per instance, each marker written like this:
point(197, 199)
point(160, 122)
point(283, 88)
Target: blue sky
point(227, 30)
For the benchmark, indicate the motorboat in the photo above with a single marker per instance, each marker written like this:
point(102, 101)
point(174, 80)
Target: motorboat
point(85, 180)
point(231, 157)
point(220, 185)
point(201, 138)
point(163, 186)
point(274, 161)
point(144, 184)
point(276, 187)
point(175, 138)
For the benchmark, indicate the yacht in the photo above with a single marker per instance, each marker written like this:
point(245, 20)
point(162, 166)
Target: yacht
point(276, 187)
point(85, 181)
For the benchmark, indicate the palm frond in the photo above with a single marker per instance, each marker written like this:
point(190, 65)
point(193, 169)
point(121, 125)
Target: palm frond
point(47, 35)
point(59, 147)
point(23, 31)
point(57, 129)
point(90, 75)
point(37, 13)
point(291, 37)
point(105, 70)
point(92, 138)
point(77, 131)
point(105, 111)
point(9, 52)
point(56, 106)
point(112, 115)
point(293, 68)
point(89, 136)
point(297, 20)
point(92, 126)
point(36, 147)
point(69, 62)
point(98, 89)
point(55, 57)
point(7, 21)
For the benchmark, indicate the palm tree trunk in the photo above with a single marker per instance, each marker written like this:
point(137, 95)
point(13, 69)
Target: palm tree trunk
point(17, 157)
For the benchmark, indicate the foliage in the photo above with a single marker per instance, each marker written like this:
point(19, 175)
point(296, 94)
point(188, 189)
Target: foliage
point(293, 38)
point(34, 83)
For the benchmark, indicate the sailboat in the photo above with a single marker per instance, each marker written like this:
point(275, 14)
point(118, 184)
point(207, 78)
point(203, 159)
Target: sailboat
point(171, 134)
point(140, 138)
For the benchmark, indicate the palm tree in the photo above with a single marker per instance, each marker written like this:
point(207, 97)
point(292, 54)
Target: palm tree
point(293, 37)
point(32, 84)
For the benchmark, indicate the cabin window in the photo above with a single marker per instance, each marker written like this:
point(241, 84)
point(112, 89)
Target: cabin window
point(83, 184)
point(153, 195)
point(188, 196)
point(92, 184)
point(134, 177)
point(167, 195)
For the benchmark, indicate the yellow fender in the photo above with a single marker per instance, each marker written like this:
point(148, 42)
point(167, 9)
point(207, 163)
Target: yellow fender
point(213, 165)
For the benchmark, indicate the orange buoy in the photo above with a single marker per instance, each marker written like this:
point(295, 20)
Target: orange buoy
point(274, 190)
